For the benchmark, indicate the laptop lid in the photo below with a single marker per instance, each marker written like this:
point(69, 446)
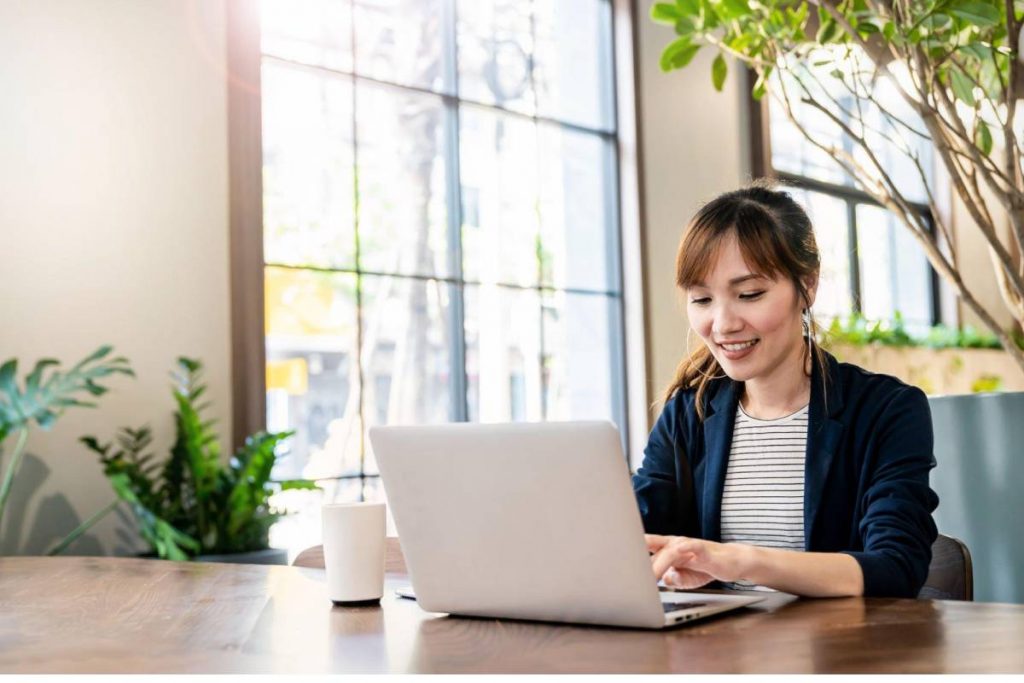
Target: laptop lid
point(530, 521)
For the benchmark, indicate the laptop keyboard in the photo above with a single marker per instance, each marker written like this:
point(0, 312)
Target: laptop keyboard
point(673, 606)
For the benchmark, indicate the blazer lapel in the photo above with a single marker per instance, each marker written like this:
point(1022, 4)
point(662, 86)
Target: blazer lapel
point(718, 426)
point(823, 434)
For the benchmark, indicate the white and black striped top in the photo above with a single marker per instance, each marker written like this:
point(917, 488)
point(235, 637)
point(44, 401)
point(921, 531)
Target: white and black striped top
point(763, 498)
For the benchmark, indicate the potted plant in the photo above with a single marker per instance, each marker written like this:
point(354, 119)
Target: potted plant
point(47, 393)
point(193, 505)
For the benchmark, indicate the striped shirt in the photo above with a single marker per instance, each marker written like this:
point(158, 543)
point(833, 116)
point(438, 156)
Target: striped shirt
point(763, 498)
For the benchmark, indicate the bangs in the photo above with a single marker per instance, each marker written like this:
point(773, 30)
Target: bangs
point(760, 244)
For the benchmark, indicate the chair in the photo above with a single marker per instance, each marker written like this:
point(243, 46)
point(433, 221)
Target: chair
point(394, 561)
point(950, 575)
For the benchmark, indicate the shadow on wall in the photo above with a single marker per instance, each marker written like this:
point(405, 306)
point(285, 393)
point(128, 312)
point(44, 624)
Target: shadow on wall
point(54, 518)
point(978, 478)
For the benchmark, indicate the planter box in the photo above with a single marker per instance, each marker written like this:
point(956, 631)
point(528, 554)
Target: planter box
point(938, 371)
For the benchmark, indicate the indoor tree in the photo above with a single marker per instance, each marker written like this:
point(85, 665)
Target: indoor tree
point(888, 76)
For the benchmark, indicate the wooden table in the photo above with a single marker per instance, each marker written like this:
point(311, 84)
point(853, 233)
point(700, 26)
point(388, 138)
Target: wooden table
point(100, 615)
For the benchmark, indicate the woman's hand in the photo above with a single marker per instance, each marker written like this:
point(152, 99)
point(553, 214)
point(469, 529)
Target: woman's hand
point(687, 563)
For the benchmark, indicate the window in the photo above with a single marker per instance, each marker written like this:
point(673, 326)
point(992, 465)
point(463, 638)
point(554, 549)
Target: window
point(440, 225)
point(870, 262)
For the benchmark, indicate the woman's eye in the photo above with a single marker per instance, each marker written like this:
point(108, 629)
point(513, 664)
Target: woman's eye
point(751, 295)
point(700, 302)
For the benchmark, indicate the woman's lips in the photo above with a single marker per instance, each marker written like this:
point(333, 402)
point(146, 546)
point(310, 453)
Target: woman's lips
point(741, 353)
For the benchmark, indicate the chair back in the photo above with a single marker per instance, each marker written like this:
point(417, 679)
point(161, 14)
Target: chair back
point(394, 561)
point(950, 575)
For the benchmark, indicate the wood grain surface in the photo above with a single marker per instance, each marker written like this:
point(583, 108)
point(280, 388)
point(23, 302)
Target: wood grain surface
point(109, 615)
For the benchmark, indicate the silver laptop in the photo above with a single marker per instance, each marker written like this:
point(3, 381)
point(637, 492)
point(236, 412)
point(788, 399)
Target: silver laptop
point(527, 521)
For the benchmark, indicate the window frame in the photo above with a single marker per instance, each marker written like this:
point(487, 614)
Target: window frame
point(761, 167)
point(247, 263)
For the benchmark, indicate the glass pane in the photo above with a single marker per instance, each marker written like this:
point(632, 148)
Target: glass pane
point(402, 216)
point(495, 48)
point(312, 31)
point(891, 127)
point(832, 233)
point(308, 194)
point(895, 274)
point(891, 142)
point(407, 347)
point(503, 354)
point(577, 211)
point(792, 153)
point(582, 359)
point(573, 72)
point(500, 228)
point(312, 374)
point(400, 41)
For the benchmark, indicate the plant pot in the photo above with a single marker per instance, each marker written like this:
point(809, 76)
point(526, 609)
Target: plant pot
point(980, 468)
point(267, 556)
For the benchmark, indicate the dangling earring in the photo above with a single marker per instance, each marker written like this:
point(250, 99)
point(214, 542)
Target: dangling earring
point(808, 320)
point(689, 357)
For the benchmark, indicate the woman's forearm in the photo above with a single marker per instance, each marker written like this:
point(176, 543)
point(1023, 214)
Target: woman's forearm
point(819, 575)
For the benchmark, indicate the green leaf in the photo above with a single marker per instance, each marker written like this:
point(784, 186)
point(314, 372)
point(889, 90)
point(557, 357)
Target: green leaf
point(710, 15)
point(828, 29)
point(979, 51)
point(983, 138)
point(976, 13)
point(719, 70)
point(297, 484)
point(46, 418)
point(734, 9)
point(94, 356)
point(937, 23)
point(962, 86)
point(761, 86)
point(889, 30)
point(678, 54)
point(7, 371)
point(689, 8)
point(665, 13)
point(34, 377)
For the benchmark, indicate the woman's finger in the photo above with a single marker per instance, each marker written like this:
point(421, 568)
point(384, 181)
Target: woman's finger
point(656, 542)
point(669, 556)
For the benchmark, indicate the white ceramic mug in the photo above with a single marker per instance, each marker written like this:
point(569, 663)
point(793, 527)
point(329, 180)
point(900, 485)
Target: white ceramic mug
point(354, 551)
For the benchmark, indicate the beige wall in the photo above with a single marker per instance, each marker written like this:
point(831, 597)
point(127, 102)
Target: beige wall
point(113, 221)
point(694, 144)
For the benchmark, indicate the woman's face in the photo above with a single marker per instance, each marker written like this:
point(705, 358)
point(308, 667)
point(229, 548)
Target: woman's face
point(752, 324)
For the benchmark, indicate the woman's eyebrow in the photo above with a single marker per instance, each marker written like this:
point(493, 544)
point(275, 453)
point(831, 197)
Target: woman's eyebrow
point(736, 280)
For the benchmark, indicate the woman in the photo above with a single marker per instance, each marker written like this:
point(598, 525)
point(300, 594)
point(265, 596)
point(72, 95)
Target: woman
point(772, 464)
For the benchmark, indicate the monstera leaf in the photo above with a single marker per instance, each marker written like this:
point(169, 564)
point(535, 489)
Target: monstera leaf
point(47, 393)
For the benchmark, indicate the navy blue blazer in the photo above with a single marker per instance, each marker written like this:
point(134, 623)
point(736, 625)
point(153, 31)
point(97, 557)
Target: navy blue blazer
point(866, 492)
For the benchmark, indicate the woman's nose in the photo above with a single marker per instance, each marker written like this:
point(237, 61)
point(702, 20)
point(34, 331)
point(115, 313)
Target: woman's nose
point(726, 322)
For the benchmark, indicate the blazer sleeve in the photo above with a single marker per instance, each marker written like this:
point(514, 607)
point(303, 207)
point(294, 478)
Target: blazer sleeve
point(664, 494)
point(896, 526)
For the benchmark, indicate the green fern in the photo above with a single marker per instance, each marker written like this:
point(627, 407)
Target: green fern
point(194, 503)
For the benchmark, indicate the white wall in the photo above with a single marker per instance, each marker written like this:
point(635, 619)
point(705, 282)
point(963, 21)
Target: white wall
point(113, 226)
point(694, 144)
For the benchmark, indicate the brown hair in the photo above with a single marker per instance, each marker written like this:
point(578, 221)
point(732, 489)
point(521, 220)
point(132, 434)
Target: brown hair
point(775, 238)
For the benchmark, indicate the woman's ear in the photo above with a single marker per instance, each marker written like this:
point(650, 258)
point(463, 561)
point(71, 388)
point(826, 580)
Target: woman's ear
point(811, 285)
